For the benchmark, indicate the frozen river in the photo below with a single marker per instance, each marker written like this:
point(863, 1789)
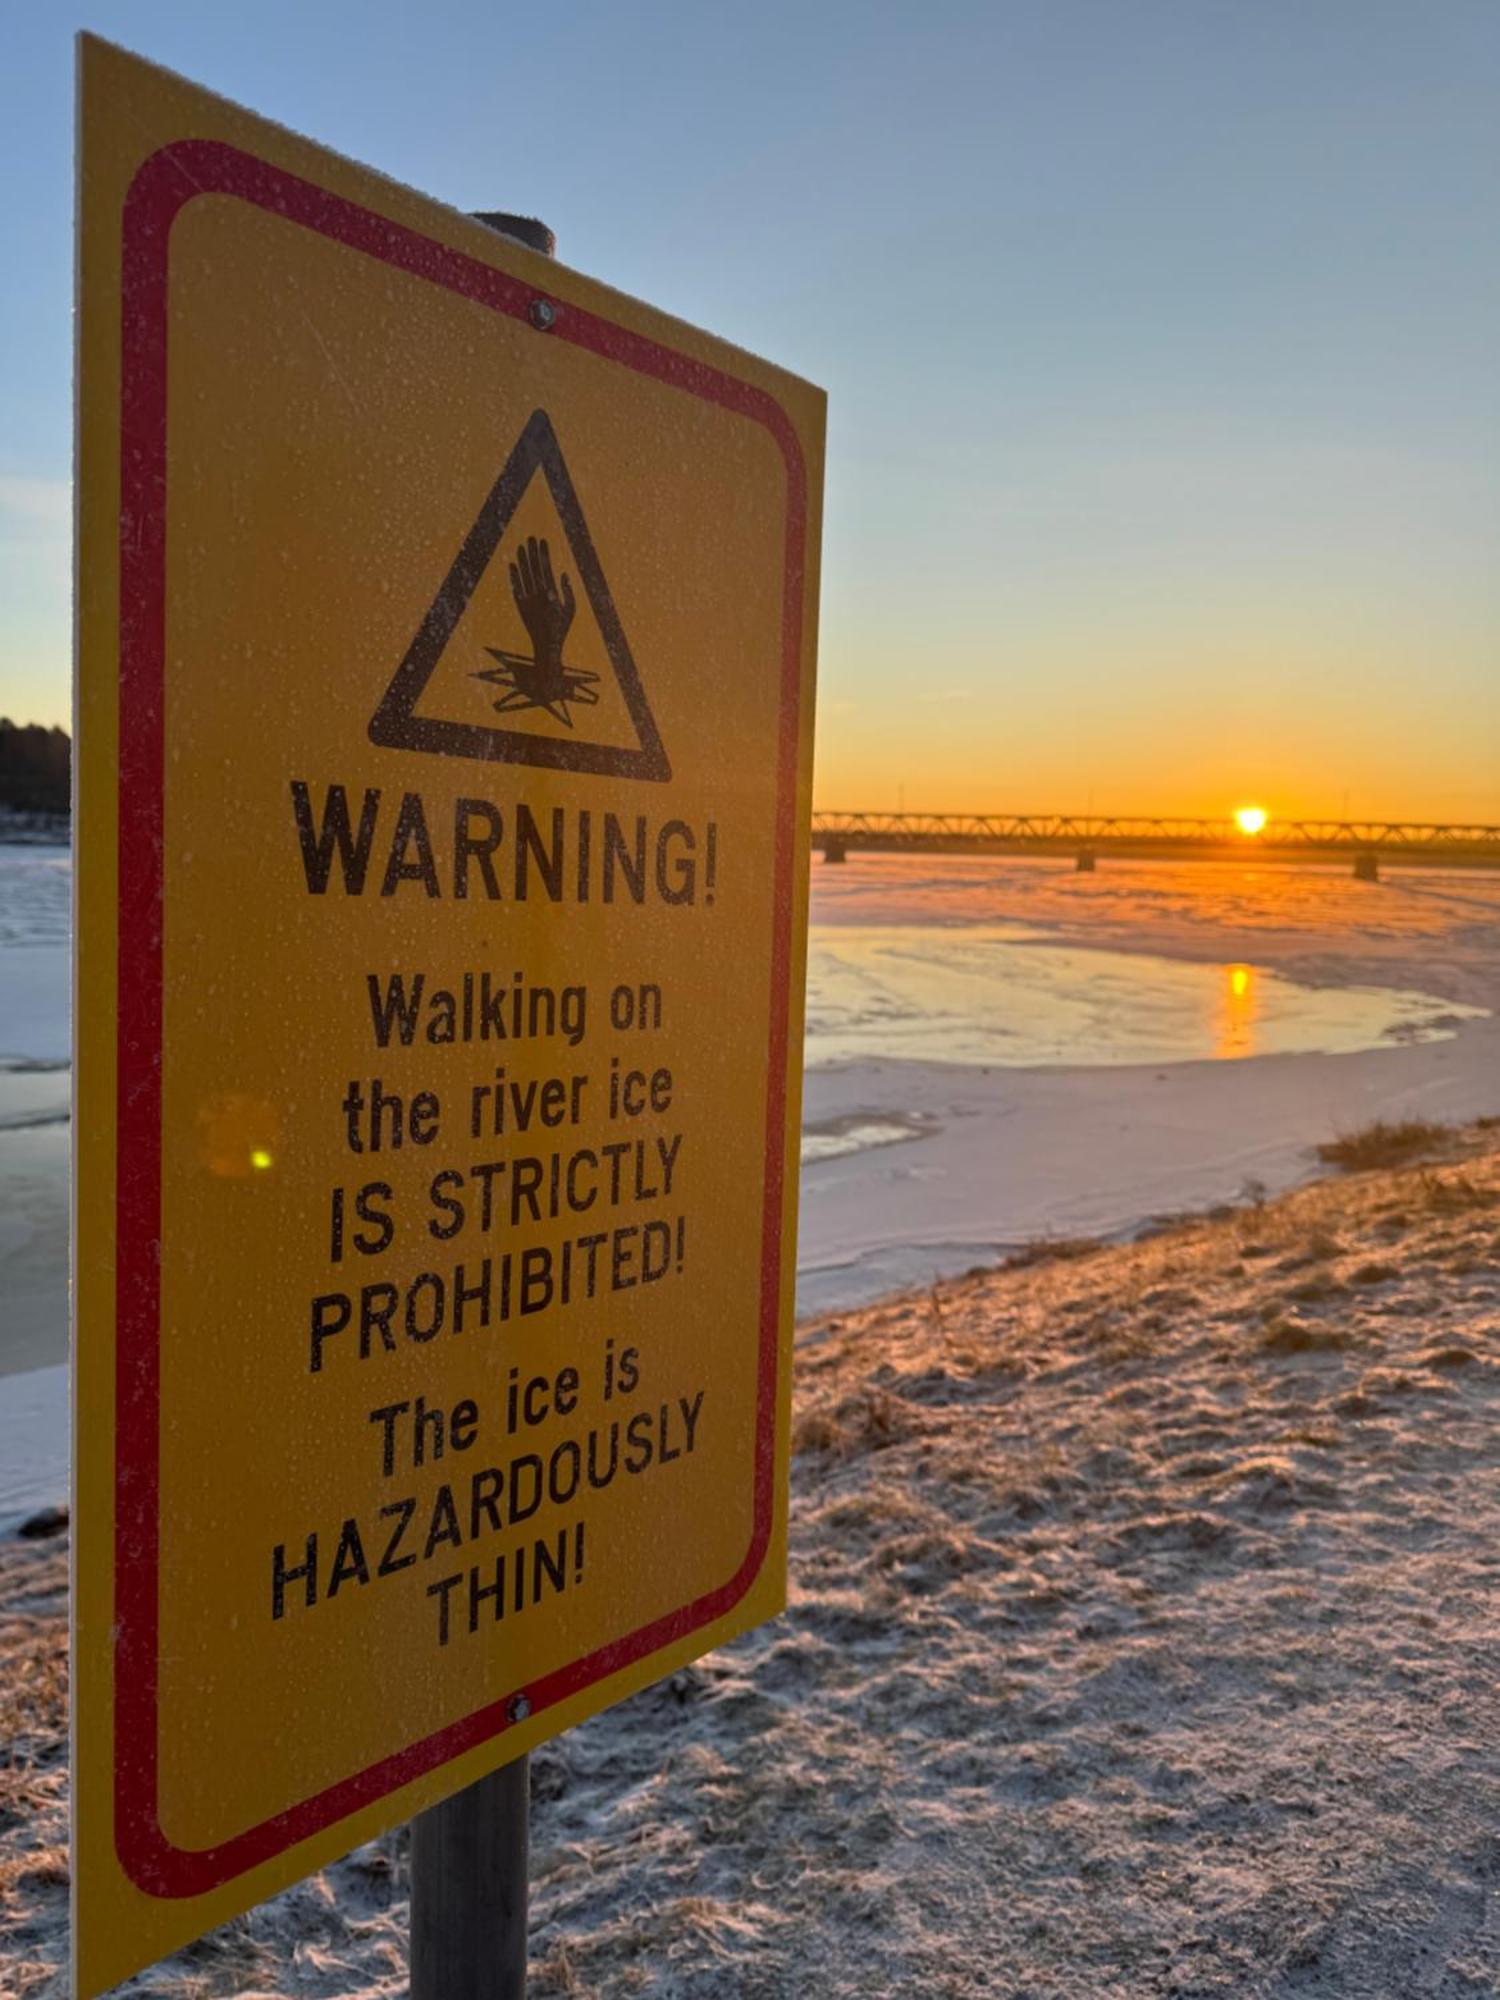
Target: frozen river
point(991, 994)
point(997, 1050)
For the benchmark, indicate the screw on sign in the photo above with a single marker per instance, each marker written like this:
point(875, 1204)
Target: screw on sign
point(439, 1034)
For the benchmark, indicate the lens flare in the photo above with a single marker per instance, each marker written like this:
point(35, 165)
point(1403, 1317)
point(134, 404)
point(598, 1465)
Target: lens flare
point(239, 1135)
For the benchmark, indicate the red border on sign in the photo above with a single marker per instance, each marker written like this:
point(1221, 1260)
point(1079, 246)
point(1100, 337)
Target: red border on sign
point(162, 188)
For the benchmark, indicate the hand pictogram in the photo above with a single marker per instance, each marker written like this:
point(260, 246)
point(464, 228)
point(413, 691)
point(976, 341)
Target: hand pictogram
point(547, 607)
point(546, 611)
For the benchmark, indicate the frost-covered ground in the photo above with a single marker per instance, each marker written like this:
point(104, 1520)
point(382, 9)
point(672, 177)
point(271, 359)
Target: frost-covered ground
point(1142, 1643)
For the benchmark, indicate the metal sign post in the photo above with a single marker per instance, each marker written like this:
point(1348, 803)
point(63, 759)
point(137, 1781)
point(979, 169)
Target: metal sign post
point(469, 1891)
point(469, 1854)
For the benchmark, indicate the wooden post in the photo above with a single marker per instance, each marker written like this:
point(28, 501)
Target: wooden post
point(468, 1891)
point(470, 1855)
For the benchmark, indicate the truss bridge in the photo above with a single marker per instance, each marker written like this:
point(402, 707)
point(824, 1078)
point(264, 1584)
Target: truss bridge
point(1088, 838)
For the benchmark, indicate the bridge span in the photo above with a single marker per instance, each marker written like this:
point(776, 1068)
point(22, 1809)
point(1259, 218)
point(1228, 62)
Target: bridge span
point(1088, 838)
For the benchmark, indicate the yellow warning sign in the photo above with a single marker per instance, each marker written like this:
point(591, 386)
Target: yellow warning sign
point(445, 699)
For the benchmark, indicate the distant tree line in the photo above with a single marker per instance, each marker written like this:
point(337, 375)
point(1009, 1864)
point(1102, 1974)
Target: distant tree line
point(35, 766)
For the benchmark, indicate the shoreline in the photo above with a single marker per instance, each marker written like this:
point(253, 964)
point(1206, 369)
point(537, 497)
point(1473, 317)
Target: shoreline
point(971, 1161)
point(1002, 1157)
point(35, 1401)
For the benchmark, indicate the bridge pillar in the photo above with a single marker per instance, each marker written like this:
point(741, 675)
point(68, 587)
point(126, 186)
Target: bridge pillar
point(835, 848)
point(1367, 867)
point(1087, 861)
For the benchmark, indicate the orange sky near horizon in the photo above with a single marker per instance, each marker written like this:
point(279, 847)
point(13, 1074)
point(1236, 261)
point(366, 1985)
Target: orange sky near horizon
point(1386, 734)
point(1024, 772)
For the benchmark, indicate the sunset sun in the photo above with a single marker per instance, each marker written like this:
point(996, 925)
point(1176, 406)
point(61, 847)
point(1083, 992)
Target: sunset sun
point(1250, 819)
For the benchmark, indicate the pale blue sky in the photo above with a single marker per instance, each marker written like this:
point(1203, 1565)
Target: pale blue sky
point(1162, 340)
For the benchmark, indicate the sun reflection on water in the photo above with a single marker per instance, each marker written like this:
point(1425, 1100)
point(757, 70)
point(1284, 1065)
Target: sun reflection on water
point(1238, 1013)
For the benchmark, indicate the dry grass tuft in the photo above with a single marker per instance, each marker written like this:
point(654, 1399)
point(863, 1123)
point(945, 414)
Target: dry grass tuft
point(871, 1420)
point(1384, 1145)
point(1295, 1336)
point(1453, 1194)
point(1050, 1250)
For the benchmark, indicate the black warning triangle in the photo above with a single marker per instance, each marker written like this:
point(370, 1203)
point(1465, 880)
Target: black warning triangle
point(539, 680)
